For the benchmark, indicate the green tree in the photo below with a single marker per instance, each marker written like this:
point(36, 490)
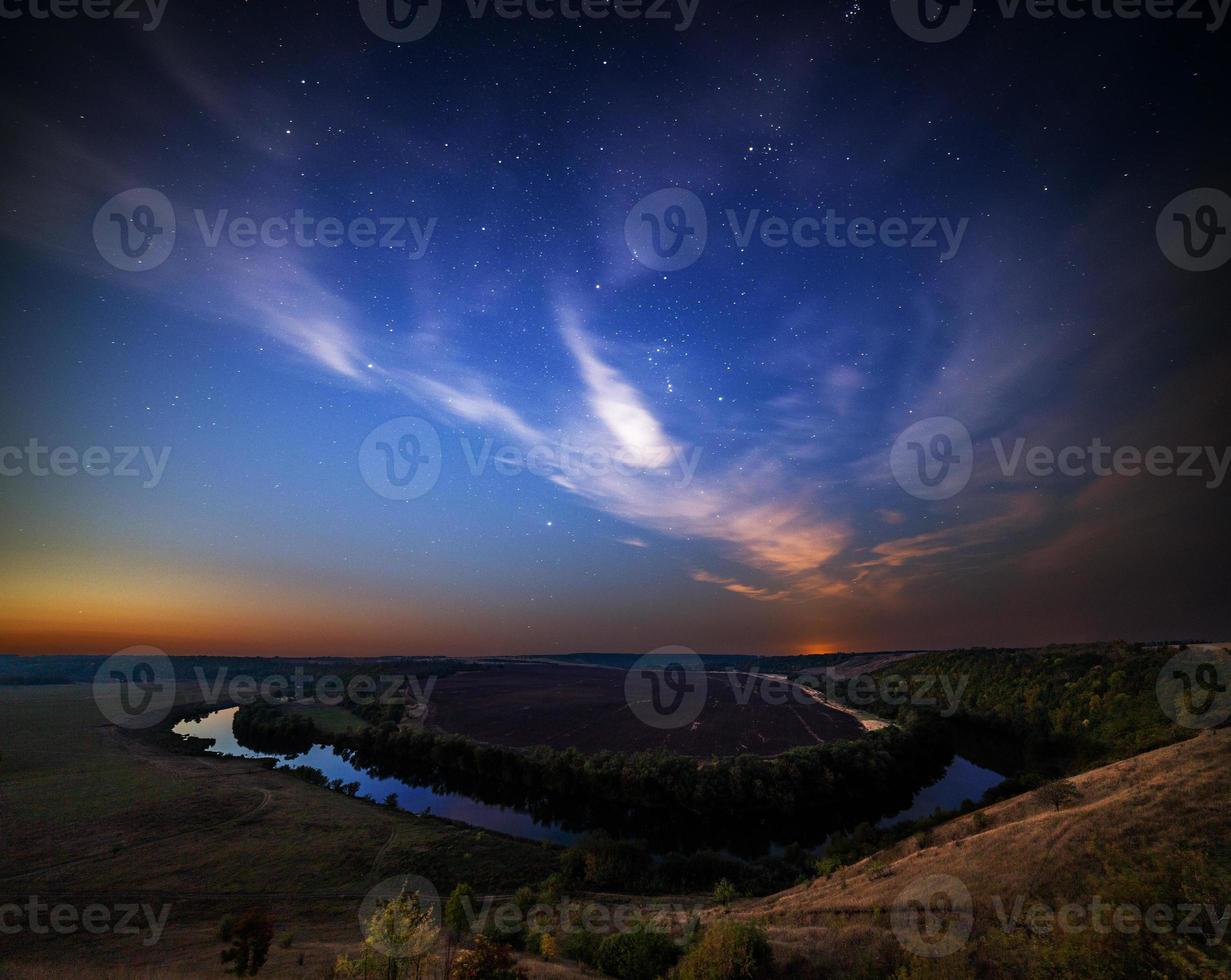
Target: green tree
point(641, 954)
point(728, 950)
point(458, 910)
point(1058, 794)
point(403, 934)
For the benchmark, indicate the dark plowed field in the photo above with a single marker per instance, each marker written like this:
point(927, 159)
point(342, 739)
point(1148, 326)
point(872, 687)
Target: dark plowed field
point(585, 707)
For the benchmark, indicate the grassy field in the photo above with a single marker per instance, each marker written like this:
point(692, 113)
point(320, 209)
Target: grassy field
point(585, 707)
point(93, 814)
point(329, 719)
point(1156, 827)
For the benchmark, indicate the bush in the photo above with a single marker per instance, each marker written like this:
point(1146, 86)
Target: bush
point(728, 951)
point(637, 955)
point(487, 961)
point(251, 937)
point(456, 914)
point(581, 945)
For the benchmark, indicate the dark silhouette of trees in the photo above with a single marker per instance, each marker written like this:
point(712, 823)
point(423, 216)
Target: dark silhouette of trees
point(1058, 794)
point(250, 938)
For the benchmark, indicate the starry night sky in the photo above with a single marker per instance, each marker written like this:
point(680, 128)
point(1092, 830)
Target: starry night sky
point(528, 321)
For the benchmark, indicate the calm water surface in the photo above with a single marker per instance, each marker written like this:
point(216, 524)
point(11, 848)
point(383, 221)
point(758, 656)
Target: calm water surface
point(963, 780)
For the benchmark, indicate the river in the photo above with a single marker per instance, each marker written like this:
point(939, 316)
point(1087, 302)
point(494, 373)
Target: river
point(962, 780)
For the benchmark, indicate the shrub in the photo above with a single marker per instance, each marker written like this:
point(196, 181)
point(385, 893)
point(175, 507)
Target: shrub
point(581, 945)
point(637, 955)
point(456, 915)
point(728, 950)
point(250, 939)
point(487, 961)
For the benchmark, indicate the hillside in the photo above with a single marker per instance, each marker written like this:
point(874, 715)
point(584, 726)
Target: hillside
point(1151, 829)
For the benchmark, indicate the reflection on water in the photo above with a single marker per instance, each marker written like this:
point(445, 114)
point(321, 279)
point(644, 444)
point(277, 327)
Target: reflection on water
point(415, 799)
point(963, 780)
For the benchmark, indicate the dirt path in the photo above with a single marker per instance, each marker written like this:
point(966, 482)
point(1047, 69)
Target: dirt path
point(869, 722)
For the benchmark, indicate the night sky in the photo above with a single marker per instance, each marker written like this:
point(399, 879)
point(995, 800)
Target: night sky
point(786, 374)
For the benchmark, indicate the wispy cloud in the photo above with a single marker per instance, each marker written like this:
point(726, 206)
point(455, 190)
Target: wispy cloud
point(732, 585)
point(745, 507)
point(615, 402)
